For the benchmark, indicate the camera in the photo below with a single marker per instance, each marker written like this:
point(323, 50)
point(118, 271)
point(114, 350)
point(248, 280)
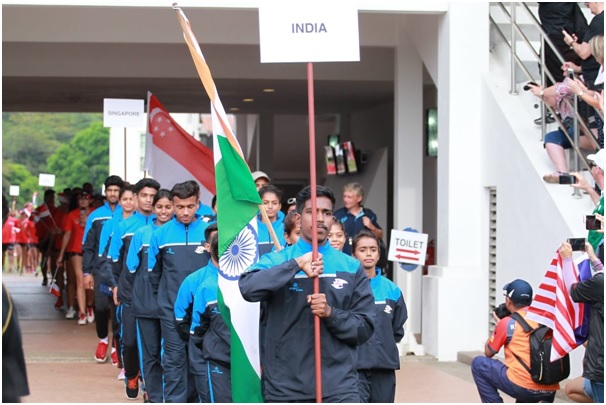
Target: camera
point(592, 223)
point(568, 179)
point(527, 86)
point(578, 244)
point(501, 311)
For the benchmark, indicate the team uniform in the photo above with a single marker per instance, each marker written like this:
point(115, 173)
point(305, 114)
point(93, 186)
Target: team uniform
point(144, 307)
point(288, 339)
point(175, 251)
point(71, 223)
point(210, 332)
point(266, 243)
point(378, 358)
point(91, 263)
point(354, 224)
point(184, 307)
point(122, 278)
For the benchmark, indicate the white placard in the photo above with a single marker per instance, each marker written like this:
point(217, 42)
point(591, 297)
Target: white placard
point(13, 191)
point(46, 180)
point(309, 31)
point(123, 113)
point(407, 247)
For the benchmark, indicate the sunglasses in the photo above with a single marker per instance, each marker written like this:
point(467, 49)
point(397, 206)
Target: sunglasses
point(291, 201)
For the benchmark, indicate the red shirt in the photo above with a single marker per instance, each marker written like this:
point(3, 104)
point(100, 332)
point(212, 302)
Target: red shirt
point(58, 216)
point(71, 223)
point(8, 236)
point(30, 231)
point(20, 236)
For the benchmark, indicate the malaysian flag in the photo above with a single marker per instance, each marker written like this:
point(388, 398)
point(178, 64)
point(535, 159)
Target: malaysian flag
point(553, 307)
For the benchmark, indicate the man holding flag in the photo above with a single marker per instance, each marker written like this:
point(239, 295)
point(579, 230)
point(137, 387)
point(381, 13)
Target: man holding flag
point(590, 291)
point(284, 282)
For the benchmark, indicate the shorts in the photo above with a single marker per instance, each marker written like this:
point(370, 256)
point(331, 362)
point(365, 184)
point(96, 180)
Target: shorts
point(587, 388)
point(31, 245)
point(8, 246)
point(68, 255)
point(559, 138)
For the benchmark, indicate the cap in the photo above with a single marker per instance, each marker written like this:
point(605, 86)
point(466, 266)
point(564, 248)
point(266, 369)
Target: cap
point(598, 158)
point(258, 174)
point(519, 291)
point(63, 199)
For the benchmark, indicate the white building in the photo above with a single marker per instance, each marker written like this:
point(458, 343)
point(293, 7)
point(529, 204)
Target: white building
point(482, 199)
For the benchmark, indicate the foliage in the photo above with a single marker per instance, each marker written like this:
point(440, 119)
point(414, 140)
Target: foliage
point(17, 175)
point(30, 138)
point(84, 159)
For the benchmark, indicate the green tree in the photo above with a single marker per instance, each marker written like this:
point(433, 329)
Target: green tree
point(84, 159)
point(30, 138)
point(15, 174)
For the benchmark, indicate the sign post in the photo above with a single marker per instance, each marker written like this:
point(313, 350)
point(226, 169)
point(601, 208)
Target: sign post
point(123, 113)
point(408, 247)
point(310, 31)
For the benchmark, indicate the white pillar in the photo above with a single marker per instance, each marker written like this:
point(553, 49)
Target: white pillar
point(408, 167)
point(455, 291)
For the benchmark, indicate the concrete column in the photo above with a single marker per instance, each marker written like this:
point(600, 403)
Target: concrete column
point(455, 291)
point(266, 145)
point(408, 163)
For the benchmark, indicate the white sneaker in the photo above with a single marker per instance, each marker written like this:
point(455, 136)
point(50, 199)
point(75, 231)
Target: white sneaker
point(82, 319)
point(90, 315)
point(70, 314)
point(121, 375)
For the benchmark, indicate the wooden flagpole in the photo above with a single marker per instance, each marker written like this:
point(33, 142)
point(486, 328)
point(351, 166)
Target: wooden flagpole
point(314, 221)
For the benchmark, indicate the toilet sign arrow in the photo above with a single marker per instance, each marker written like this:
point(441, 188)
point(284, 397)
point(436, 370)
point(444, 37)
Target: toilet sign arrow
point(407, 247)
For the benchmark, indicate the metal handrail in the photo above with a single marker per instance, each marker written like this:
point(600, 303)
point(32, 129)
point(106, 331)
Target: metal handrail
point(579, 123)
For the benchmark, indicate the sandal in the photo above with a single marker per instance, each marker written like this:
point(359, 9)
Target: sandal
point(553, 178)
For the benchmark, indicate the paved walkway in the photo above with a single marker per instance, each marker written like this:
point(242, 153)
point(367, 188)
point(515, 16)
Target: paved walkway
point(61, 369)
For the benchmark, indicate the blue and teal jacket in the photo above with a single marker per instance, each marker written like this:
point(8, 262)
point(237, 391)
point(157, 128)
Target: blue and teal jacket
point(381, 351)
point(118, 250)
point(266, 244)
point(208, 326)
point(184, 304)
point(288, 338)
point(104, 270)
point(92, 235)
point(175, 251)
point(144, 303)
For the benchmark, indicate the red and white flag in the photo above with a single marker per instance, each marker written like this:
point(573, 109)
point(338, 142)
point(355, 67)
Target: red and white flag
point(174, 156)
point(54, 290)
point(553, 307)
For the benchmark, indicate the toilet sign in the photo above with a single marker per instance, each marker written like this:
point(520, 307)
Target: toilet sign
point(407, 247)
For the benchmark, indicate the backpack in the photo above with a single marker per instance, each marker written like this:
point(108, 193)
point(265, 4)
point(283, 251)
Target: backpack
point(541, 369)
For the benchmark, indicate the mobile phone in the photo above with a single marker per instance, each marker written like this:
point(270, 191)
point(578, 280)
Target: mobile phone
point(568, 179)
point(571, 74)
point(592, 223)
point(578, 244)
point(527, 86)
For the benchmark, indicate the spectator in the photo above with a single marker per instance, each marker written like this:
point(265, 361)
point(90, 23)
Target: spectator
point(491, 375)
point(378, 358)
point(590, 291)
point(594, 98)
point(355, 216)
point(261, 179)
point(556, 142)
point(283, 282)
point(597, 171)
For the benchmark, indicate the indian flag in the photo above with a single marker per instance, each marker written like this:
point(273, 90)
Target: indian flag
point(237, 206)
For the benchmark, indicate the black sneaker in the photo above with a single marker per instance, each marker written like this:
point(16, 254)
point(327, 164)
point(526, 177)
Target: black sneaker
point(44, 282)
point(132, 387)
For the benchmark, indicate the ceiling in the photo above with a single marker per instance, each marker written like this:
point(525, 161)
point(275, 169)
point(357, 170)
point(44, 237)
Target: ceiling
point(68, 59)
